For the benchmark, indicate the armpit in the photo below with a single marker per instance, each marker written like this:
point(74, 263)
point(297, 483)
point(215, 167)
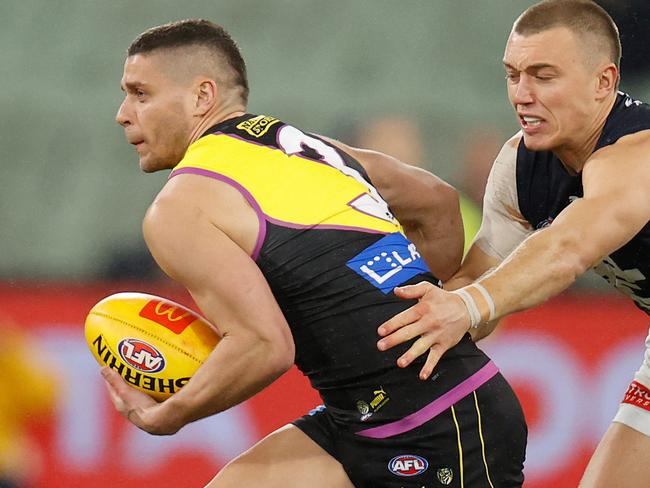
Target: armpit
point(516, 215)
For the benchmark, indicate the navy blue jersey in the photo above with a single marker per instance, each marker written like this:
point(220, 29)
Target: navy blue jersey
point(545, 188)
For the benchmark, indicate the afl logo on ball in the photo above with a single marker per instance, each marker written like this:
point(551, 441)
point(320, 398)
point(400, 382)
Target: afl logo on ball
point(141, 356)
point(408, 465)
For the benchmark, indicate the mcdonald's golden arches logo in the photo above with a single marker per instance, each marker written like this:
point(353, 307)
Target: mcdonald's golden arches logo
point(174, 318)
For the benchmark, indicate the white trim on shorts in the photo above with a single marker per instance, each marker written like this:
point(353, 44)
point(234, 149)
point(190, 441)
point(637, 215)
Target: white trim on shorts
point(634, 417)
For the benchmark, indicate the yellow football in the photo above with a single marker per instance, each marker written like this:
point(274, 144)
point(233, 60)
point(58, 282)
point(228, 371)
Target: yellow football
point(155, 344)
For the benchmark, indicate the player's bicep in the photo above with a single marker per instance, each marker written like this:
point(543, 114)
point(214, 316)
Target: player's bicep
point(223, 280)
point(615, 206)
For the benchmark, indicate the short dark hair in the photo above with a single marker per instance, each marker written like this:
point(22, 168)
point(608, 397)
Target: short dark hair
point(580, 16)
point(194, 32)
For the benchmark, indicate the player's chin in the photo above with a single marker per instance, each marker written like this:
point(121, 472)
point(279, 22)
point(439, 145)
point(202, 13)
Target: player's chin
point(147, 169)
point(149, 164)
point(537, 142)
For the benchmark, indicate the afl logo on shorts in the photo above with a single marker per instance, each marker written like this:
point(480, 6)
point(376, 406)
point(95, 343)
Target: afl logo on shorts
point(408, 465)
point(141, 356)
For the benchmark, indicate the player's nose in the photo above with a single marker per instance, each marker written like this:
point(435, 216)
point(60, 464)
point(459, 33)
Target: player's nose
point(523, 93)
point(122, 116)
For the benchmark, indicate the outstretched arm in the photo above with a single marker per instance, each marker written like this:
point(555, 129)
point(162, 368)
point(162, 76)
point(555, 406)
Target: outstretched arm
point(615, 207)
point(256, 345)
point(426, 206)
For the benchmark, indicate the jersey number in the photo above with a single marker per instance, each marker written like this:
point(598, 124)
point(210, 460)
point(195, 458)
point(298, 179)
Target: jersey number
point(292, 141)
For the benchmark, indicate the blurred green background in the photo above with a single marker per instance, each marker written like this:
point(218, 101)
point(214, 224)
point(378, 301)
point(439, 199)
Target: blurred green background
point(72, 195)
point(421, 79)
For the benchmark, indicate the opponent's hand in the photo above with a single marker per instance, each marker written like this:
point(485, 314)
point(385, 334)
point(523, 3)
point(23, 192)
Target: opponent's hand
point(440, 319)
point(137, 407)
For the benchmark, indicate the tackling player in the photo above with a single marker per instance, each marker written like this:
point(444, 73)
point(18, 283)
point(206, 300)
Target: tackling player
point(567, 193)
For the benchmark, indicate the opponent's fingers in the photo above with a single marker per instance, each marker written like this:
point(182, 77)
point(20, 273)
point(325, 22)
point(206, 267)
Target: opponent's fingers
point(399, 336)
point(416, 350)
point(435, 353)
point(402, 319)
point(413, 291)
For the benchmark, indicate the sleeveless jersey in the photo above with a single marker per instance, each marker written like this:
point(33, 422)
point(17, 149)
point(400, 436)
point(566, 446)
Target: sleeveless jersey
point(545, 188)
point(332, 253)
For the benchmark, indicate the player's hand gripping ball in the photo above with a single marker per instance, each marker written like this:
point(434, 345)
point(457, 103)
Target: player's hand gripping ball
point(155, 344)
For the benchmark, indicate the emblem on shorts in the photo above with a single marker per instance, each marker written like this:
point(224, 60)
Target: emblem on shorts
point(381, 398)
point(407, 465)
point(367, 410)
point(258, 126)
point(363, 407)
point(445, 475)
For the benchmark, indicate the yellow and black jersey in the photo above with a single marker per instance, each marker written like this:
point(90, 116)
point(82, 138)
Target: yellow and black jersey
point(332, 253)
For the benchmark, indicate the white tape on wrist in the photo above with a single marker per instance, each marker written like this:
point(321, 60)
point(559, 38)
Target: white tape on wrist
point(472, 308)
point(488, 299)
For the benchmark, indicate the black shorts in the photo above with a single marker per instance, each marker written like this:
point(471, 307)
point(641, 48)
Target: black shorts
point(478, 442)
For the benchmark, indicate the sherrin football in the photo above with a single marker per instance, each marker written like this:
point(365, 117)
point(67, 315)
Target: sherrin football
point(155, 344)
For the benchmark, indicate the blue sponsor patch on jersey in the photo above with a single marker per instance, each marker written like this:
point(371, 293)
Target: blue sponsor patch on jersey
point(389, 262)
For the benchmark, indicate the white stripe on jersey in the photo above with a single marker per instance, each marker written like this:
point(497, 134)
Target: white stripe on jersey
point(503, 227)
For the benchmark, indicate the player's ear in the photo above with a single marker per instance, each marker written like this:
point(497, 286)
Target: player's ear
point(607, 80)
point(206, 96)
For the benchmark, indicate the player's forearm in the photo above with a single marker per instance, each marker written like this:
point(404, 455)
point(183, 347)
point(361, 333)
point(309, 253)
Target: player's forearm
point(236, 370)
point(544, 265)
point(440, 253)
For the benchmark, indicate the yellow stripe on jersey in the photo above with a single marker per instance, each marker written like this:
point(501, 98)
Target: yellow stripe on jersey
point(288, 188)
